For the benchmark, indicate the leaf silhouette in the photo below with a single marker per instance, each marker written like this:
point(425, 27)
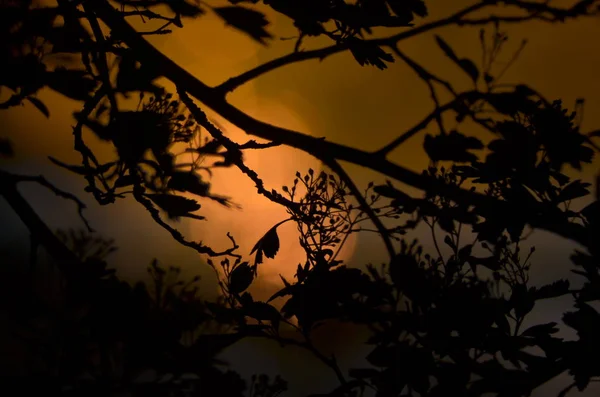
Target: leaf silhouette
point(74, 84)
point(554, 290)
point(465, 64)
point(367, 53)
point(188, 182)
point(39, 105)
point(451, 147)
point(175, 206)
point(249, 21)
point(184, 8)
point(541, 330)
point(263, 311)
point(402, 7)
point(267, 245)
point(125, 180)
point(241, 277)
point(470, 68)
point(573, 190)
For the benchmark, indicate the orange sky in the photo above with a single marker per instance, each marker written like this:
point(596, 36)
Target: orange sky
point(336, 98)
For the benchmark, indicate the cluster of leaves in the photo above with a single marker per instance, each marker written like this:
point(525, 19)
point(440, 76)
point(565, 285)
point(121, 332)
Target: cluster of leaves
point(524, 165)
point(29, 36)
point(439, 325)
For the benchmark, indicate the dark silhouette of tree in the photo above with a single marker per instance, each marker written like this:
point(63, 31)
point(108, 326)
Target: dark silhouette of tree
point(440, 326)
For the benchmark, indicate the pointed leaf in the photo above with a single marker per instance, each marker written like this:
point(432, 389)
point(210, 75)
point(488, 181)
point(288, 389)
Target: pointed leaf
point(249, 21)
point(267, 245)
point(573, 190)
point(446, 48)
point(241, 277)
point(554, 290)
point(470, 68)
point(174, 206)
point(39, 105)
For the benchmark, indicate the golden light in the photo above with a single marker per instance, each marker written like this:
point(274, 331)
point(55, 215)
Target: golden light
point(276, 167)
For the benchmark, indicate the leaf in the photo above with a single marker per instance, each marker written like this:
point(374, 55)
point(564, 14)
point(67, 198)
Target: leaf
point(39, 105)
point(446, 48)
point(74, 84)
point(400, 198)
point(183, 8)
point(541, 330)
point(249, 21)
point(449, 242)
point(125, 180)
point(267, 245)
point(174, 206)
point(522, 300)
point(509, 103)
point(406, 8)
point(188, 182)
point(133, 78)
point(586, 321)
point(465, 64)
point(367, 53)
point(573, 190)
point(241, 277)
point(453, 146)
point(554, 290)
point(263, 311)
point(470, 68)
point(446, 224)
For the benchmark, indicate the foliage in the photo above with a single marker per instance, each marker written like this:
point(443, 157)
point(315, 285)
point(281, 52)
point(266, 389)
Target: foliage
point(440, 324)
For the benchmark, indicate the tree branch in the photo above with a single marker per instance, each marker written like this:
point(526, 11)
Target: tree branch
point(318, 147)
point(337, 168)
point(322, 53)
point(65, 259)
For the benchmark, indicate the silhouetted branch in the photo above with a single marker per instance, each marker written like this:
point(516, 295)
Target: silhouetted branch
point(364, 206)
point(255, 145)
point(322, 53)
point(60, 193)
point(87, 156)
point(198, 247)
point(456, 18)
point(233, 147)
point(437, 112)
point(66, 260)
point(102, 62)
point(318, 147)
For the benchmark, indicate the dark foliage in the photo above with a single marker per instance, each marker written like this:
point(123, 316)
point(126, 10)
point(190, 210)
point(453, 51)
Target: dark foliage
point(444, 323)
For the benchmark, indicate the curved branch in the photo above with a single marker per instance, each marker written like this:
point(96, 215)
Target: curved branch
point(556, 14)
point(318, 147)
point(198, 247)
point(322, 53)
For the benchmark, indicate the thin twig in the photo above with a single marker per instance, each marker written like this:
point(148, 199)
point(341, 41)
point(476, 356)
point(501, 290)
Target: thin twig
point(60, 193)
point(337, 168)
